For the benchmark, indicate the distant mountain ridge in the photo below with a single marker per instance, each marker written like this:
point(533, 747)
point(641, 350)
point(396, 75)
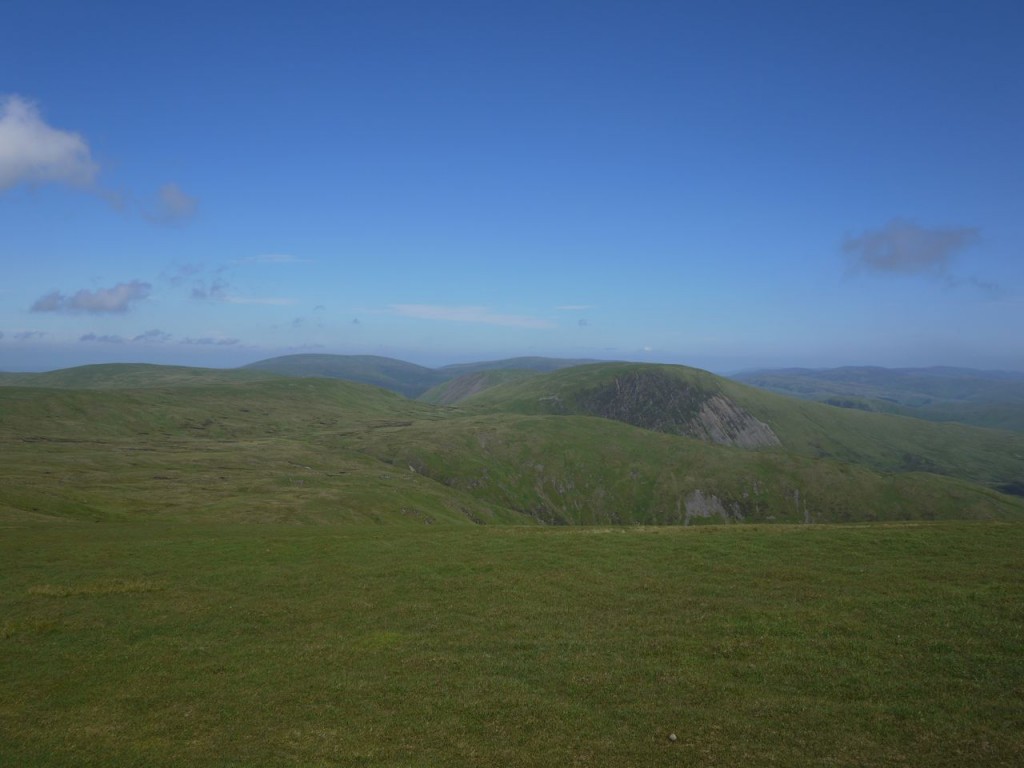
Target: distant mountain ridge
point(406, 379)
point(983, 398)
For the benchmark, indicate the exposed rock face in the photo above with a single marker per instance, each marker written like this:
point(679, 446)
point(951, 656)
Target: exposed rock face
point(699, 504)
point(722, 421)
point(661, 402)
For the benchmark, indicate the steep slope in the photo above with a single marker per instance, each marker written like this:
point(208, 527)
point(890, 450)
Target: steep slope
point(670, 399)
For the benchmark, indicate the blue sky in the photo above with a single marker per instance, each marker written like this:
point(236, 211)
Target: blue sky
point(719, 184)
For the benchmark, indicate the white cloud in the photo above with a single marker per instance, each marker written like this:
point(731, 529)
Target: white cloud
point(32, 152)
point(116, 299)
point(469, 315)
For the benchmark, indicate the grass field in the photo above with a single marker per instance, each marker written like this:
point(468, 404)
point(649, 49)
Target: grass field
point(168, 643)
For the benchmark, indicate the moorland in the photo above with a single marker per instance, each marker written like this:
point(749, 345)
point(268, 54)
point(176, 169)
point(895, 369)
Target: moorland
point(322, 560)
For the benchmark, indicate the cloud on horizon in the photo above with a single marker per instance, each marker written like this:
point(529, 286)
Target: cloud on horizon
point(29, 335)
point(33, 152)
point(480, 315)
point(153, 336)
point(210, 340)
point(106, 339)
point(116, 299)
point(903, 247)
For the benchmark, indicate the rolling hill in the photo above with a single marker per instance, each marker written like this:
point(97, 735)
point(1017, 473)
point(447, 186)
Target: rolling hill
point(687, 401)
point(603, 443)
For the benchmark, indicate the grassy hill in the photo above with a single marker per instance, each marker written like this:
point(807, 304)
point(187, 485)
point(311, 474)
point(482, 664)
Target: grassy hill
point(983, 398)
point(468, 384)
point(220, 447)
point(691, 402)
point(238, 450)
point(130, 375)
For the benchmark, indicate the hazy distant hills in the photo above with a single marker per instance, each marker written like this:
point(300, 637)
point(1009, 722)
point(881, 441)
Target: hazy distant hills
point(984, 398)
point(619, 443)
point(405, 378)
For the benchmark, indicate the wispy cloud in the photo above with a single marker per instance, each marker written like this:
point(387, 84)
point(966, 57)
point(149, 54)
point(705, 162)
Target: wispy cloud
point(33, 152)
point(116, 299)
point(106, 339)
point(173, 206)
point(211, 340)
point(906, 248)
point(180, 273)
point(267, 300)
point(272, 258)
point(220, 290)
point(480, 315)
point(215, 290)
point(155, 336)
point(28, 335)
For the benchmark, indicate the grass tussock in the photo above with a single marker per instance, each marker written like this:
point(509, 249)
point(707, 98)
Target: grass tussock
point(95, 589)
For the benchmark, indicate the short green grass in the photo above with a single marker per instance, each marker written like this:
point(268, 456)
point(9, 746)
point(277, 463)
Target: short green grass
point(164, 644)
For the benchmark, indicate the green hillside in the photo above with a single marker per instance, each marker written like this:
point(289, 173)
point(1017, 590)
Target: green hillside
point(676, 446)
point(579, 470)
point(130, 375)
point(244, 451)
point(468, 384)
point(687, 401)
